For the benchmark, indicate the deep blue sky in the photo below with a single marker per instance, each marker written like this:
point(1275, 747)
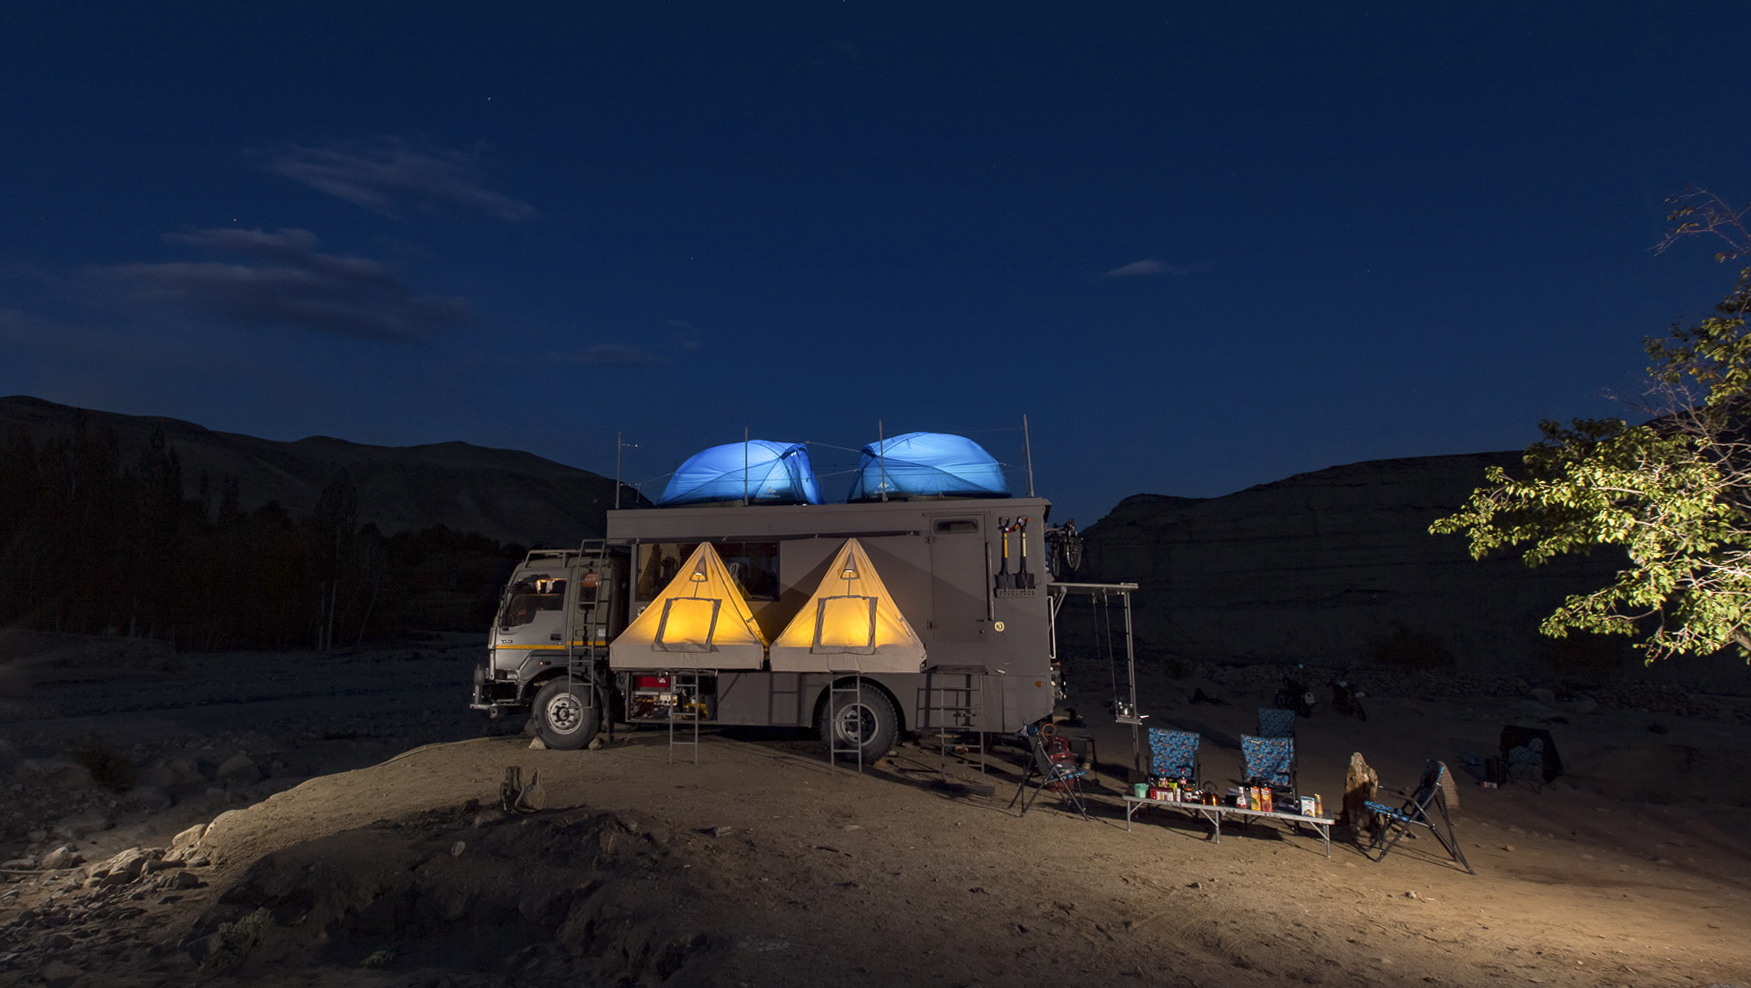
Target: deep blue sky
point(1200, 246)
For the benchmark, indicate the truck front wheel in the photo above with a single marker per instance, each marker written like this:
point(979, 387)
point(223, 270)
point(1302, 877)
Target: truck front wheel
point(567, 714)
point(864, 721)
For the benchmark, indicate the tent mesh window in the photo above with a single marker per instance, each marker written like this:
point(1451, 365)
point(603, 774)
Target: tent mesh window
point(845, 623)
point(688, 624)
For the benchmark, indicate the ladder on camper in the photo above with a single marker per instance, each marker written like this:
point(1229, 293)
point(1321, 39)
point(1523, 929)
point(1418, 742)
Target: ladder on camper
point(585, 656)
point(845, 691)
point(688, 707)
point(955, 699)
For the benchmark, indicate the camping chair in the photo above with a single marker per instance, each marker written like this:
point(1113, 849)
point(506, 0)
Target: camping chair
point(1268, 762)
point(1425, 807)
point(1173, 755)
point(1276, 722)
point(1062, 775)
point(1529, 756)
point(1526, 764)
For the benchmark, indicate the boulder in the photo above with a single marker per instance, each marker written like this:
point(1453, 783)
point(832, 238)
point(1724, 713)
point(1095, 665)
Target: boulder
point(80, 824)
point(54, 772)
point(238, 770)
point(1580, 705)
point(189, 837)
point(180, 776)
point(123, 867)
point(58, 973)
point(147, 799)
point(63, 856)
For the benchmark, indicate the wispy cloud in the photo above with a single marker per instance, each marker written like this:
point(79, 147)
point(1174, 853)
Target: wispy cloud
point(390, 175)
point(283, 280)
point(686, 335)
point(614, 355)
point(1150, 266)
point(682, 339)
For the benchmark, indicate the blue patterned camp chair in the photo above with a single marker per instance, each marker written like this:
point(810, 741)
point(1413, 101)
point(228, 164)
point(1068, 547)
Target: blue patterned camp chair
point(1426, 806)
point(1526, 763)
point(1276, 722)
point(1268, 762)
point(1061, 774)
point(1173, 755)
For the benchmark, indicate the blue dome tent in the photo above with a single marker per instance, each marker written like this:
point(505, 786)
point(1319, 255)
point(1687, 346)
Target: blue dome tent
point(925, 464)
point(756, 471)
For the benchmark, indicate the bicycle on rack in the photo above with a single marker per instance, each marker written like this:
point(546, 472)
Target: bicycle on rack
point(1063, 550)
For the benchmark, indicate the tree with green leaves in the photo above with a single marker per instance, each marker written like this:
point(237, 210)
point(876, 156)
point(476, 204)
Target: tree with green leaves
point(1673, 494)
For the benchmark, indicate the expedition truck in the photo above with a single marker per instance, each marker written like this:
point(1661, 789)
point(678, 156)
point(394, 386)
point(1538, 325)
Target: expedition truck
point(949, 609)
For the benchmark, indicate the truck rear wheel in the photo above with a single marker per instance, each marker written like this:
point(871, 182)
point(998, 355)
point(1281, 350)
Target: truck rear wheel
point(867, 721)
point(567, 714)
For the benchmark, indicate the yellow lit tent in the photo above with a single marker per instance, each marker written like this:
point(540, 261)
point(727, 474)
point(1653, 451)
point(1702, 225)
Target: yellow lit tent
point(699, 621)
point(849, 623)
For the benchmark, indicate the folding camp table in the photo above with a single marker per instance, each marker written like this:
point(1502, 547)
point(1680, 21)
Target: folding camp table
point(1214, 814)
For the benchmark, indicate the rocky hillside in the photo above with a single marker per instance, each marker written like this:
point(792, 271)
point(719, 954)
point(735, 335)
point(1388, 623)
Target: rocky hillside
point(1333, 568)
point(1336, 568)
point(506, 495)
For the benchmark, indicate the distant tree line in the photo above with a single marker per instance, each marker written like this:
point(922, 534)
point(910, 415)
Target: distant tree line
point(91, 544)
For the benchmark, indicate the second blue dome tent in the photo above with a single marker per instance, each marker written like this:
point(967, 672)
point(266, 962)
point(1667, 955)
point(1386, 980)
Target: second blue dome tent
point(927, 464)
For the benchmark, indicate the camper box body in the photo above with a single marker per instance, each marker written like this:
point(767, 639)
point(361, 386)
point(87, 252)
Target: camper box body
point(987, 651)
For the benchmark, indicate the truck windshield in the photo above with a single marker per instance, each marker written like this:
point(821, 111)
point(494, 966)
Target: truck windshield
point(529, 598)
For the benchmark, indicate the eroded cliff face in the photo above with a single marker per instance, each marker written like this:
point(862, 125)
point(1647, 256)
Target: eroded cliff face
point(1337, 568)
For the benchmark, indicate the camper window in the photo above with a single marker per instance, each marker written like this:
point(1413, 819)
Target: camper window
point(754, 566)
point(956, 526)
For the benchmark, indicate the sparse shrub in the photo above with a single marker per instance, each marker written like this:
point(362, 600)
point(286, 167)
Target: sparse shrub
point(379, 958)
point(233, 942)
point(109, 767)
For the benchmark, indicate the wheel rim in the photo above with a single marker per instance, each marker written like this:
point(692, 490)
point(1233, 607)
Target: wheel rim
point(564, 713)
point(855, 723)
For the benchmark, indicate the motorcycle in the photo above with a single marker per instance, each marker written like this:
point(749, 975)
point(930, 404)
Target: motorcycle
point(1294, 694)
point(1347, 700)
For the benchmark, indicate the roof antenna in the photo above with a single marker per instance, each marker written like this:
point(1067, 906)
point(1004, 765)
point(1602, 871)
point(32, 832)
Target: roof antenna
point(618, 445)
point(882, 460)
point(1027, 444)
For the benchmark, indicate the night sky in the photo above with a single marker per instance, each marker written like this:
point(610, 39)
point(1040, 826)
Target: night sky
point(1199, 246)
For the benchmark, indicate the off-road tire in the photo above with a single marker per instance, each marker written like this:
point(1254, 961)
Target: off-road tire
point(869, 719)
point(566, 715)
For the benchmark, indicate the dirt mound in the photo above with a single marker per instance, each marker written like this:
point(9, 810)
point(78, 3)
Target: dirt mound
point(450, 891)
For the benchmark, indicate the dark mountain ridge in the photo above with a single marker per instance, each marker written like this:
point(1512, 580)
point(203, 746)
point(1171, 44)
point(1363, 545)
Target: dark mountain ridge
point(506, 495)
